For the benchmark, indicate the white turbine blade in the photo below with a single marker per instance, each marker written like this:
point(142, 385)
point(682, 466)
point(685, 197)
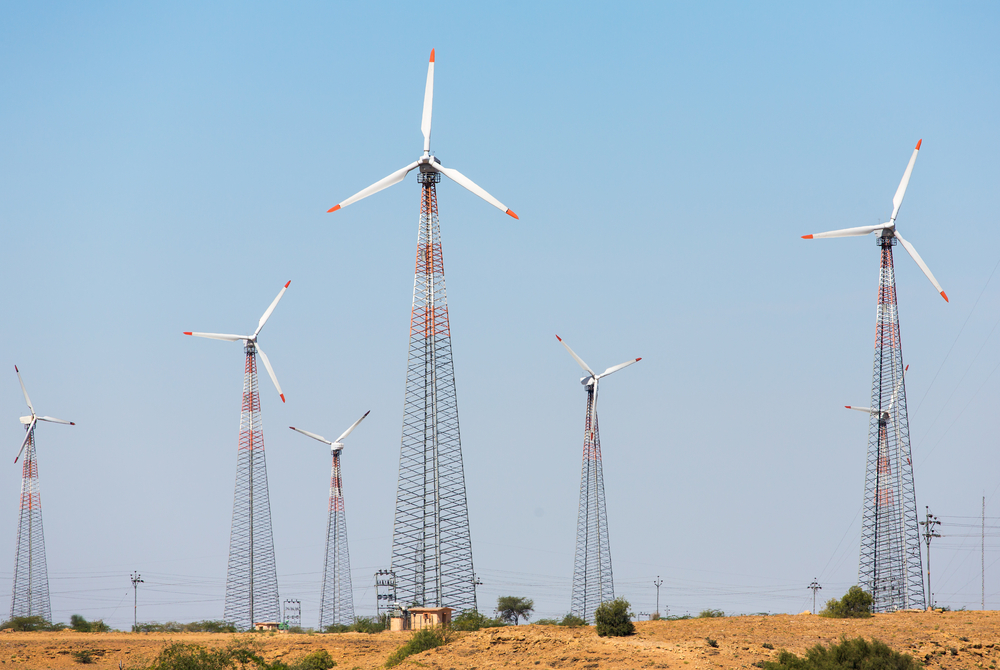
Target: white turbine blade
point(425, 121)
point(355, 424)
point(270, 371)
point(24, 443)
point(312, 435)
point(846, 232)
point(24, 391)
point(394, 178)
point(616, 368)
point(267, 314)
point(217, 336)
point(897, 199)
point(461, 179)
point(866, 410)
point(895, 391)
point(52, 419)
point(576, 358)
point(923, 266)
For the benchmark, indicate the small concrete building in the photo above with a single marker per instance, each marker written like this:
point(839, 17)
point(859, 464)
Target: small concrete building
point(267, 626)
point(419, 618)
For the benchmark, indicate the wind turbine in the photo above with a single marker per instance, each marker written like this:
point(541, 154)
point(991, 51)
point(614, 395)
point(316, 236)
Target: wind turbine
point(593, 581)
point(432, 544)
point(890, 562)
point(252, 579)
point(336, 605)
point(30, 596)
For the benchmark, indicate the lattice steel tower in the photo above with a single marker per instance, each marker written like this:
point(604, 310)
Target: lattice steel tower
point(30, 595)
point(593, 580)
point(890, 563)
point(431, 545)
point(336, 604)
point(251, 578)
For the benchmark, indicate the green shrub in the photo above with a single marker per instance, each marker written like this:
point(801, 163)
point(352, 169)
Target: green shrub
point(711, 643)
point(473, 620)
point(83, 656)
point(79, 624)
point(364, 624)
point(711, 614)
point(27, 624)
point(572, 621)
point(318, 660)
point(422, 640)
point(210, 626)
point(546, 622)
point(856, 603)
point(847, 655)
point(613, 618)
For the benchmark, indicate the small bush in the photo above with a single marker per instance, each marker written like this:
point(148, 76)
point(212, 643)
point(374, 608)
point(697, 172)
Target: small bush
point(81, 625)
point(364, 624)
point(767, 645)
point(337, 628)
point(28, 624)
point(613, 618)
point(83, 656)
point(856, 603)
point(711, 614)
point(572, 621)
point(473, 620)
point(209, 626)
point(318, 660)
point(847, 655)
point(422, 640)
point(711, 643)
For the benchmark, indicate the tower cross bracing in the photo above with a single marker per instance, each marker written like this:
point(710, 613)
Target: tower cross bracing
point(337, 599)
point(30, 596)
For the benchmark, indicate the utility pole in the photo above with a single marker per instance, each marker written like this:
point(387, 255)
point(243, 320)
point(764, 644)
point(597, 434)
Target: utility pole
point(930, 525)
point(815, 587)
point(136, 580)
point(657, 584)
point(982, 557)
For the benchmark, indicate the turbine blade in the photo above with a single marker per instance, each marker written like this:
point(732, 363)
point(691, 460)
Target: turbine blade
point(24, 391)
point(270, 371)
point(866, 410)
point(462, 180)
point(24, 442)
point(312, 435)
point(846, 232)
point(52, 419)
point(895, 391)
point(425, 121)
point(618, 367)
point(897, 199)
point(267, 314)
point(576, 358)
point(923, 266)
point(355, 424)
point(217, 336)
point(394, 178)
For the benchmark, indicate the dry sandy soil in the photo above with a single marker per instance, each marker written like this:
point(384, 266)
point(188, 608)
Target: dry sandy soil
point(942, 639)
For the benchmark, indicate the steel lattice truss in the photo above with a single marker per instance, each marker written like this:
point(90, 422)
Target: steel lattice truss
point(431, 545)
point(337, 600)
point(252, 580)
point(890, 565)
point(30, 596)
point(593, 582)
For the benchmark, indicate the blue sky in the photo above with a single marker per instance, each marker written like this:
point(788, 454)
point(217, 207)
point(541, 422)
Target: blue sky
point(167, 167)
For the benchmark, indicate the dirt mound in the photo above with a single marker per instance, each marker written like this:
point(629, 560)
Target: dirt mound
point(944, 639)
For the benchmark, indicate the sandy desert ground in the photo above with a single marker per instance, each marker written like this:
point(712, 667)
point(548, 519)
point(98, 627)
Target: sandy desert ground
point(940, 639)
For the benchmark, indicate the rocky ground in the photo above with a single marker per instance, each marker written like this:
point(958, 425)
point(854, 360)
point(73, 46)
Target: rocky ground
point(939, 639)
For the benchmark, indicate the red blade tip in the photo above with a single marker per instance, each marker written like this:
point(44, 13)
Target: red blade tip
point(292, 427)
point(432, 55)
point(287, 283)
point(558, 338)
point(72, 423)
point(807, 237)
point(906, 368)
point(186, 332)
point(918, 145)
point(333, 209)
point(945, 296)
point(511, 213)
point(15, 369)
point(847, 407)
point(638, 359)
point(282, 397)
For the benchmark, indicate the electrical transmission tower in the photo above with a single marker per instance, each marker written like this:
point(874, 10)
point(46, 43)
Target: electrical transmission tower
point(593, 581)
point(30, 596)
point(431, 544)
point(252, 578)
point(890, 561)
point(336, 605)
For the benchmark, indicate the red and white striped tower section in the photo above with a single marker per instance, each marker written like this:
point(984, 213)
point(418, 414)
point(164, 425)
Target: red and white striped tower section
point(252, 578)
point(30, 596)
point(431, 546)
point(336, 606)
point(593, 579)
point(890, 561)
